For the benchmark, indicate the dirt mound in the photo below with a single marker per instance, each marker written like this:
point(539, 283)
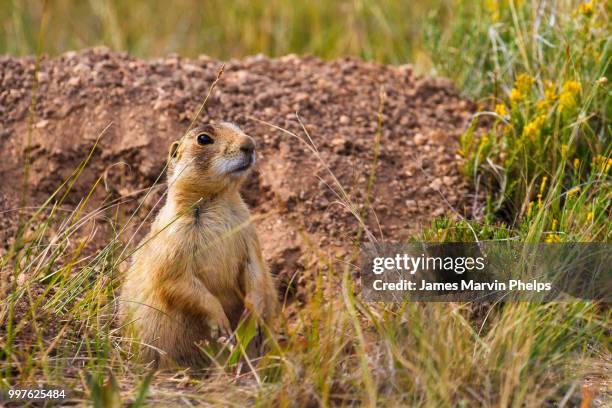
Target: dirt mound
point(146, 104)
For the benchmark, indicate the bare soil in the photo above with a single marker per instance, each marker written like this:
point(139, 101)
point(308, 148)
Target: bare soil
point(146, 104)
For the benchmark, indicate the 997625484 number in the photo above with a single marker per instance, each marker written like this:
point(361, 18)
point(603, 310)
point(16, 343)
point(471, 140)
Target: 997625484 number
point(37, 393)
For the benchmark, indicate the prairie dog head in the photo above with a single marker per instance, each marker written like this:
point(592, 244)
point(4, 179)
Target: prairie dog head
point(211, 158)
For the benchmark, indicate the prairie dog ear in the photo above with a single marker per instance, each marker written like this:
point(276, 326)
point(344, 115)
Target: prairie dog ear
point(173, 152)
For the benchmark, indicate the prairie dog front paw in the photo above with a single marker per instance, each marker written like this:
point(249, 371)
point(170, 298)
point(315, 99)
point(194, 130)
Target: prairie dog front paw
point(219, 324)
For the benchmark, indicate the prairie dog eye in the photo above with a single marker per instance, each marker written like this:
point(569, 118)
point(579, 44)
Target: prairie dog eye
point(204, 139)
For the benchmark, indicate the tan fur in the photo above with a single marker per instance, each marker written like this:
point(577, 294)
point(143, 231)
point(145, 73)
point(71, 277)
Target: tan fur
point(201, 263)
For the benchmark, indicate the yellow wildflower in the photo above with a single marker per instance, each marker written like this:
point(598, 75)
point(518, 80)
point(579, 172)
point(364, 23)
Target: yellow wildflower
point(567, 99)
point(530, 209)
point(501, 110)
point(552, 238)
point(590, 216)
point(573, 191)
point(576, 163)
point(522, 86)
point(523, 83)
point(564, 150)
point(566, 102)
point(542, 105)
point(543, 184)
point(493, 7)
point(533, 129)
point(484, 140)
point(554, 224)
point(542, 187)
point(572, 87)
point(603, 163)
point(550, 93)
point(586, 9)
point(516, 95)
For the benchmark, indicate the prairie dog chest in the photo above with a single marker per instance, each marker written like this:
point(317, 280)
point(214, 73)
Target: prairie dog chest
point(216, 246)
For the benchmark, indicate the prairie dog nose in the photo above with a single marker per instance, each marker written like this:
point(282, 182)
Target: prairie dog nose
point(248, 146)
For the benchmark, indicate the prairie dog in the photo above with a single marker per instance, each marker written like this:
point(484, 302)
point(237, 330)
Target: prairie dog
point(200, 267)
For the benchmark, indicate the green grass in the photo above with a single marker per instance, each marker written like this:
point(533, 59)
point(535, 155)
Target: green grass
point(545, 159)
point(221, 29)
point(542, 161)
